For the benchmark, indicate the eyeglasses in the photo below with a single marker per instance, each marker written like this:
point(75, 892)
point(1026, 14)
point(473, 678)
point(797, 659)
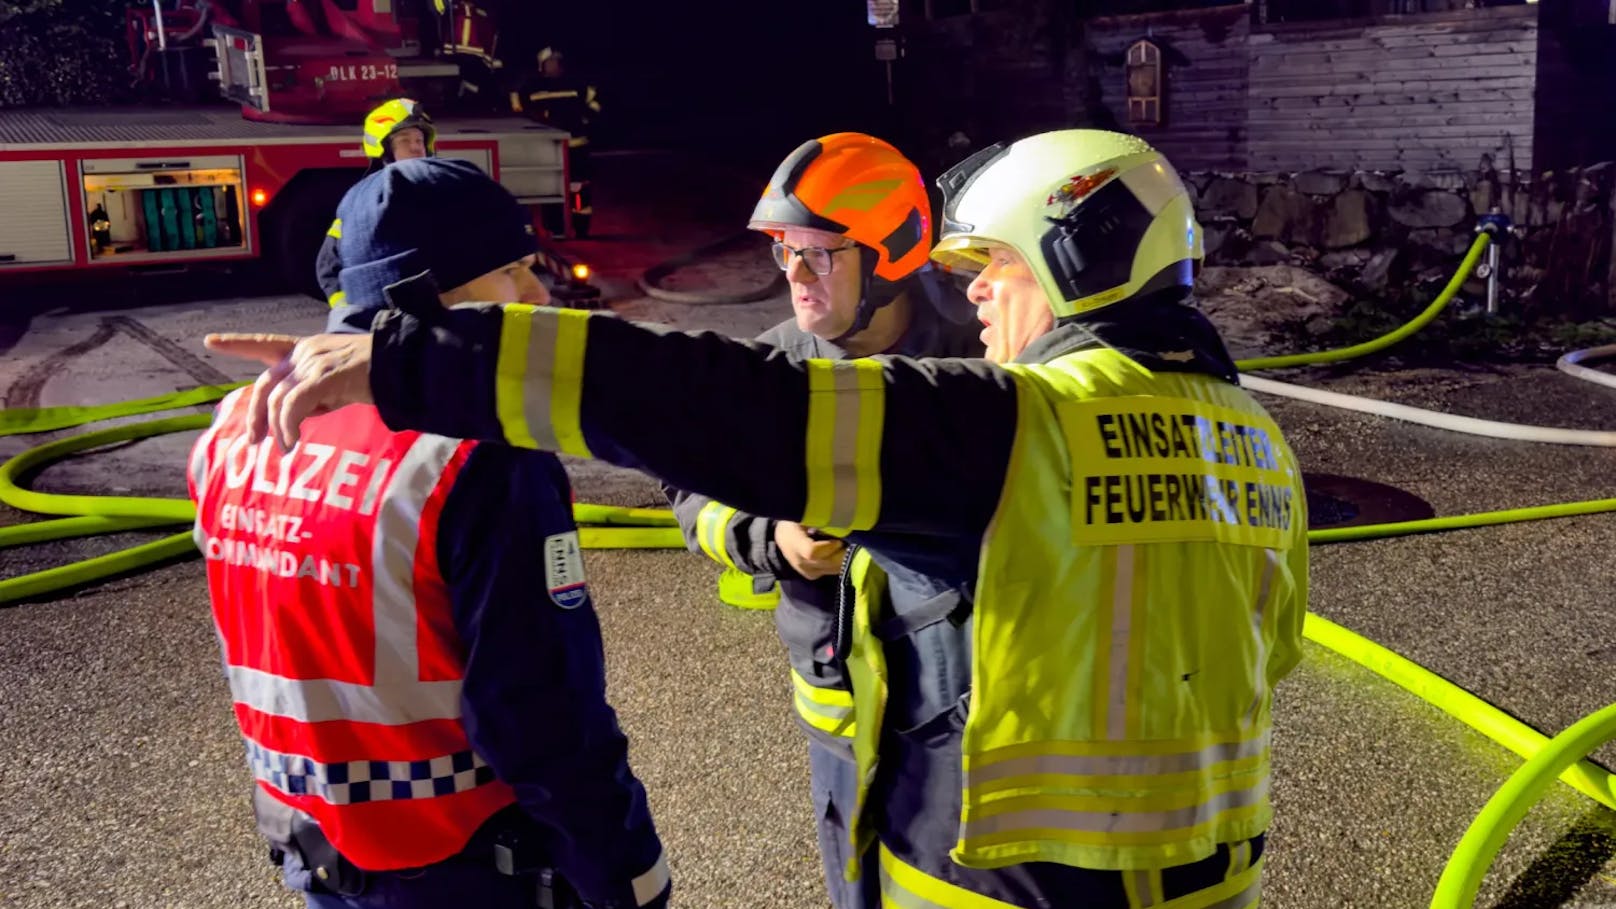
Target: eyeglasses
point(817, 258)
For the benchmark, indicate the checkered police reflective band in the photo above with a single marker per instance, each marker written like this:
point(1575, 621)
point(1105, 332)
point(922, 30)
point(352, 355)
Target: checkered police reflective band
point(354, 782)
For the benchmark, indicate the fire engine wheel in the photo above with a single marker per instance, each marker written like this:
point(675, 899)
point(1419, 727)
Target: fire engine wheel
point(297, 226)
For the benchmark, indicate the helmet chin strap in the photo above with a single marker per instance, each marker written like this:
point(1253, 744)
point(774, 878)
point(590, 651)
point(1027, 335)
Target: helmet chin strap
point(874, 293)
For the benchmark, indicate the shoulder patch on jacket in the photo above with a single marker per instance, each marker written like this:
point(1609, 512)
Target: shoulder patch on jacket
point(564, 570)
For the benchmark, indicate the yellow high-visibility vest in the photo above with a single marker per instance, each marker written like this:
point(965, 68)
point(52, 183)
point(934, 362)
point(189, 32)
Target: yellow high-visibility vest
point(1141, 589)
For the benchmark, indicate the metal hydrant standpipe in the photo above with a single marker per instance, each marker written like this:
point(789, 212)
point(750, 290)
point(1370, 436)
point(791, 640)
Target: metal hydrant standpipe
point(609, 527)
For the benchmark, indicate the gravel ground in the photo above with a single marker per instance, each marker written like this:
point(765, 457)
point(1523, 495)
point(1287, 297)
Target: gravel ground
point(122, 781)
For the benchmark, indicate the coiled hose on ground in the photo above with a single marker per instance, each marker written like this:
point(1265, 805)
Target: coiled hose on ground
point(604, 527)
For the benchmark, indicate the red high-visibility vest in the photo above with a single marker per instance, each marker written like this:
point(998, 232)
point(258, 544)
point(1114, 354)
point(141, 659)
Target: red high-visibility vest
point(343, 659)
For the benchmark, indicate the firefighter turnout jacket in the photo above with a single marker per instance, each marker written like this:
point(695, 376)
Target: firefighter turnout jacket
point(409, 655)
point(1096, 554)
point(941, 325)
point(328, 265)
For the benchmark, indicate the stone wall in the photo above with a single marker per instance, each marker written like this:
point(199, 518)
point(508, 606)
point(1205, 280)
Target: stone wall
point(1380, 232)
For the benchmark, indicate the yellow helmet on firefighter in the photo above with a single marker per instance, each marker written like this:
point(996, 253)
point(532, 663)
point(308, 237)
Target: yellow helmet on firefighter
point(1099, 216)
point(389, 118)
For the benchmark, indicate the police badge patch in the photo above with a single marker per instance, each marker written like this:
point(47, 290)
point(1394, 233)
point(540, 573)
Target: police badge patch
point(564, 570)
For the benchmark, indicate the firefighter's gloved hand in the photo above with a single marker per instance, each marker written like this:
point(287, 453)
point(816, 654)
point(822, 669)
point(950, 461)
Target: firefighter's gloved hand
point(811, 558)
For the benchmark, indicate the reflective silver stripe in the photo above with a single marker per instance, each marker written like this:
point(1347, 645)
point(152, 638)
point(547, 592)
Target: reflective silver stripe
point(844, 447)
point(1116, 714)
point(397, 534)
point(837, 721)
point(1264, 591)
point(650, 885)
point(806, 704)
point(321, 700)
point(1089, 765)
point(846, 407)
point(540, 380)
point(1141, 887)
point(712, 531)
point(396, 695)
point(893, 895)
point(1118, 821)
point(1239, 859)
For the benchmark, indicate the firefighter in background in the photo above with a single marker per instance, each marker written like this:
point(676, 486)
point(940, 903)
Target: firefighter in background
point(413, 655)
point(397, 130)
point(1082, 563)
point(469, 34)
point(861, 284)
point(555, 98)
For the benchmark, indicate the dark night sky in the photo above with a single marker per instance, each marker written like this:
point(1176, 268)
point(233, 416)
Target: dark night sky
point(729, 73)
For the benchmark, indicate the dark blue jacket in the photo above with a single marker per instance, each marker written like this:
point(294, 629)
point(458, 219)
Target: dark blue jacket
point(942, 323)
point(534, 695)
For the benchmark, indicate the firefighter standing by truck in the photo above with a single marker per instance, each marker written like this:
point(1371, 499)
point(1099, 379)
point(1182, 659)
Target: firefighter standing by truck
point(1112, 532)
point(851, 222)
point(411, 648)
point(398, 130)
point(552, 96)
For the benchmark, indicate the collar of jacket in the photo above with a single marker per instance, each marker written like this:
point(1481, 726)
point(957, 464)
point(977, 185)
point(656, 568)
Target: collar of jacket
point(939, 315)
point(1161, 332)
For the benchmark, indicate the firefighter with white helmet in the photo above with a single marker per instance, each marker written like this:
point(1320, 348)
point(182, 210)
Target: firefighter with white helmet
point(1081, 565)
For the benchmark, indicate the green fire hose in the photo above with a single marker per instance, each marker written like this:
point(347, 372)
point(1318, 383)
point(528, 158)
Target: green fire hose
point(603, 527)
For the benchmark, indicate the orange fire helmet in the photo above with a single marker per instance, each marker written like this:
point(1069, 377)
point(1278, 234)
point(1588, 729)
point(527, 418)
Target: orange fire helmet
point(857, 186)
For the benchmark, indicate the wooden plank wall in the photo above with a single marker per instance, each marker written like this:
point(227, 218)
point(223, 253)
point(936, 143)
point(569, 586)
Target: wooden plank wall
point(1576, 85)
point(1205, 67)
point(1427, 92)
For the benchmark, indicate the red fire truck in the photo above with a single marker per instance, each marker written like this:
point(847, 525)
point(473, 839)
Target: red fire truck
point(176, 184)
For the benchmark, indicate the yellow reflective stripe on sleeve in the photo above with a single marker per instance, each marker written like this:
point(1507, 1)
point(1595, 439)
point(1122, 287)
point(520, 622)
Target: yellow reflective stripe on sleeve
point(550, 96)
point(712, 530)
point(846, 412)
point(337, 299)
point(830, 710)
point(538, 378)
point(568, 396)
point(335, 230)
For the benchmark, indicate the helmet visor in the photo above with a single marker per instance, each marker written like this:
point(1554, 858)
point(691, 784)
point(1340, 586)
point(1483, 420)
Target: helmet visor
point(957, 180)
